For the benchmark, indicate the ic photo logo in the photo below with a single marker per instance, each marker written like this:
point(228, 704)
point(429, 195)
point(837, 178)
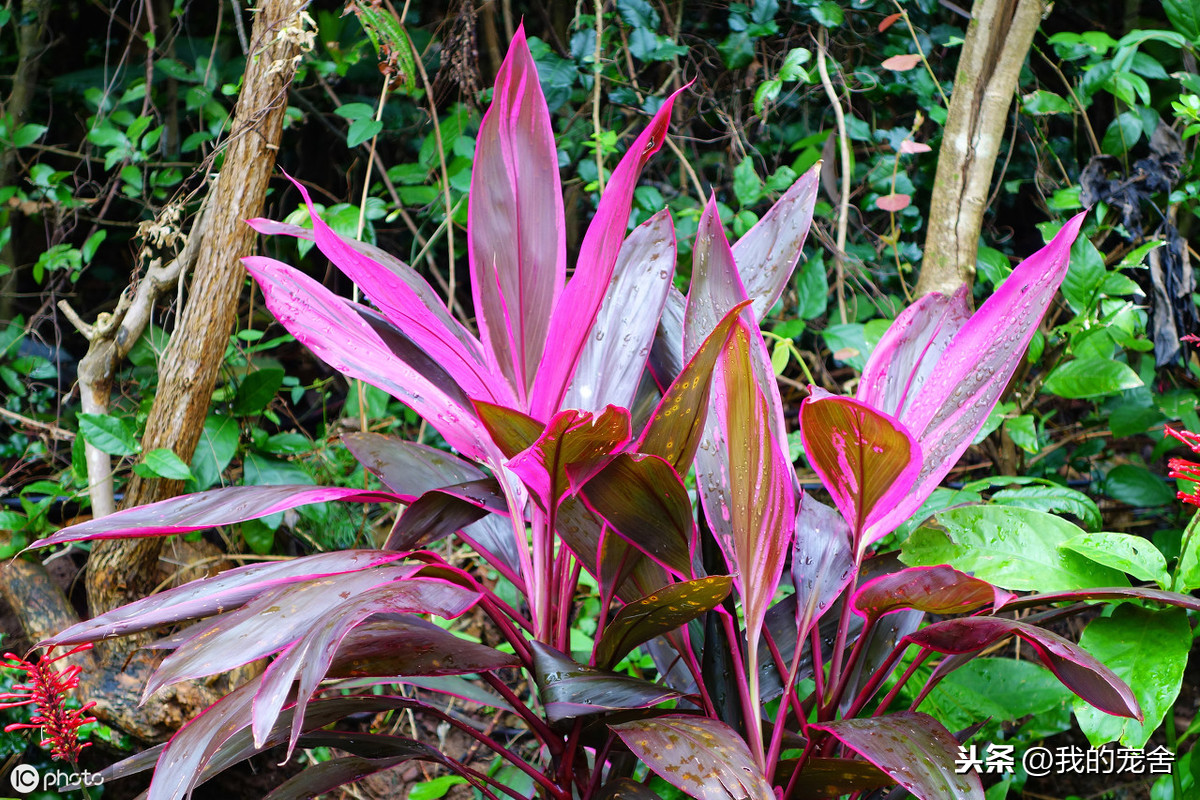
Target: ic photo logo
point(26, 779)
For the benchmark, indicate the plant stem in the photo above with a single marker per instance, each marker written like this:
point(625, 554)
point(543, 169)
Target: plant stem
point(1189, 533)
point(750, 712)
point(596, 71)
point(839, 255)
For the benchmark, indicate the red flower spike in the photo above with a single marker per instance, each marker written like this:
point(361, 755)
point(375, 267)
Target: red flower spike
point(1192, 440)
point(48, 688)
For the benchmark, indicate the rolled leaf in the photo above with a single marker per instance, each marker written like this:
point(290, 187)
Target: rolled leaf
point(516, 236)
point(204, 510)
point(914, 749)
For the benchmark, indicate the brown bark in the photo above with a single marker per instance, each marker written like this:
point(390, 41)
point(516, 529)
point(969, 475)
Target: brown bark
point(998, 39)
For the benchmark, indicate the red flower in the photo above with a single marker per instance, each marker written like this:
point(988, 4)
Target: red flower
point(48, 688)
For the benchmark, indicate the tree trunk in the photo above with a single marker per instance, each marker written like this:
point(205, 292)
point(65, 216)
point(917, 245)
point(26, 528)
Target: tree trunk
point(998, 39)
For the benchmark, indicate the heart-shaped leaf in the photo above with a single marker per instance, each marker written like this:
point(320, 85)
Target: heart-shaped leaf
point(665, 610)
point(866, 459)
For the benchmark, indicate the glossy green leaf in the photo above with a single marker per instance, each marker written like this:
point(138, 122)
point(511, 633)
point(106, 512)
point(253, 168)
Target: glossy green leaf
point(812, 288)
point(216, 448)
point(1001, 688)
point(1042, 101)
point(1148, 649)
point(914, 749)
point(361, 130)
point(1052, 498)
point(701, 757)
point(165, 464)
point(665, 610)
point(1015, 548)
point(1138, 486)
point(1023, 432)
point(1124, 551)
point(1184, 16)
point(569, 689)
point(1091, 377)
point(1122, 134)
point(109, 434)
point(644, 501)
point(256, 391)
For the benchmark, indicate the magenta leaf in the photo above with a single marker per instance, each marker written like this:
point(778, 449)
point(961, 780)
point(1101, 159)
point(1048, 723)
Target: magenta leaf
point(761, 515)
point(576, 310)
point(1075, 667)
point(665, 610)
point(1110, 593)
point(203, 510)
point(643, 499)
point(866, 459)
point(768, 253)
point(406, 306)
point(914, 749)
point(223, 592)
point(954, 390)
point(939, 590)
point(614, 353)
point(515, 229)
point(310, 312)
point(309, 658)
point(701, 757)
point(282, 615)
point(822, 563)
point(568, 689)
point(571, 439)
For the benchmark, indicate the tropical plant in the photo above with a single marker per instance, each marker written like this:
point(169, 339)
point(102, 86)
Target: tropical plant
point(578, 415)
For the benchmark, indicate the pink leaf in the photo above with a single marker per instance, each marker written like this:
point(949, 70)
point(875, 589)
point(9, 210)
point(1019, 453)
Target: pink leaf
point(909, 146)
point(914, 749)
point(580, 302)
point(893, 202)
point(935, 590)
point(866, 459)
point(902, 63)
point(822, 563)
point(888, 21)
point(515, 230)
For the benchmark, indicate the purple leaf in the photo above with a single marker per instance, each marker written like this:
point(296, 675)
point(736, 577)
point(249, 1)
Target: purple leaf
point(204, 510)
point(614, 353)
point(406, 307)
point(914, 749)
point(282, 615)
point(219, 593)
point(407, 645)
point(665, 610)
point(938, 590)
point(822, 564)
point(606, 556)
point(761, 515)
point(440, 512)
point(768, 253)
point(1075, 667)
point(1112, 593)
point(312, 314)
point(309, 658)
point(866, 459)
point(515, 230)
point(701, 757)
point(576, 310)
point(643, 499)
point(832, 777)
point(318, 779)
point(666, 355)
point(568, 689)
point(626, 789)
point(571, 439)
point(955, 392)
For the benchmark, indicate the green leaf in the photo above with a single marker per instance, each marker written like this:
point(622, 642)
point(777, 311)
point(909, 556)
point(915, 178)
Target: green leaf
point(1045, 102)
point(1130, 420)
point(1091, 377)
point(355, 111)
point(1184, 16)
point(812, 288)
point(640, 621)
point(92, 244)
point(1014, 548)
point(1137, 486)
point(256, 391)
point(638, 14)
point(747, 186)
point(1001, 688)
point(828, 14)
point(261, 470)
point(216, 448)
point(848, 343)
point(1126, 552)
point(27, 134)
point(1148, 650)
point(1023, 431)
point(1052, 498)
point(109, 434)
point(1123, 132)
point(165, 464)
point(1084, 275)
point(361, 130)
point(434, 788)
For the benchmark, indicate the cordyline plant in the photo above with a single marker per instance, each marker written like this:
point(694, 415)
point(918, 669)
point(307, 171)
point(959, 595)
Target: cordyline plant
point(576, 415)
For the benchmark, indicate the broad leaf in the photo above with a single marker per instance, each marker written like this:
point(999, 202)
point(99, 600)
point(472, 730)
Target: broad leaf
point(223, 592)
point(644, 500)
point(1014, 548)
point(409, 646)
point(1148, 649)
point(569, 690)
point(325, 776)
point(701, 757)
point(512, 430)
point(515, 230)
point(576, 310)
point(614, 354)
point(914, 749)
point(204, 510)
point(1091, 377)
point(866, 459)
point(1076, 668)
point(663, 611)
point(822, 564)
point(439, 513)
point(1001, 688)
point(1125, 552)
point(618, 567)
point(761, 514)
point(935, 590)
point(571, 439)
point(831, 777)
